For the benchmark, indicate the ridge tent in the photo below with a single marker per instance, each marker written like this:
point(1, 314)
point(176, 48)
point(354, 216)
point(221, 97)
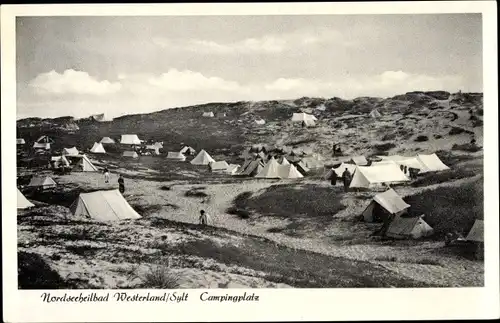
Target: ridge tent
point(476, 233)
point(245, 165)
point(43, 182)
point(45, 139)
point(375, 113)
point(260, 122)
point(408, 227)
point(270, 170)
point(20, 141)
point(208, 114)
point(299, 117)
point(129, 153)
point(308, 123)
point(289, 171)
point(103, 206)
point(22, 201)
point(82, 164)
point(218, 166)
point(39, 145)
point(107, 140)
point(284, 161)
point(97, 148)
point(255, 167)
point(186, 150)
point(387, 202)
point(154, 148)
point(262, 155)
point(232, 169)
point(59, 161)
point(358, 160)
point(176, 155)
point(302, 168)
point(366, 176)
point(432, 163)
point(203, 158)
point(70, 151)
point(341, 168)
point(130, 140)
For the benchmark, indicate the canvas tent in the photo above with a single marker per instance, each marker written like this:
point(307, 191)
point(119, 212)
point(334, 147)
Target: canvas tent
point(284, 161)
point(302, 168)
point(260, 121)
point(81, 163)
point(43, 182)
point(107, 140)
point(176, 156)
point(365, 177)
point(431, 163)
point(186, 150)
point(41, 145)
point(270, 170)
point(154, 149)
point(97, 148)
point(59, 161)
point(255, 167)
point(308, 123)
point(476, 233)
point(408, 227)
point(130, 140)
point(22, 201)
point(20, 141)
point(70, 151)
point(340, 169)
point(388, 201)
point(358, 160)
point(375, 113)
point(103, 206)
point(203, 158)
point(232, 169)
point(218, 166)
point(45, 139)
point(208, 114)
point(299, 117)
point(131, 154)
point(289, 171)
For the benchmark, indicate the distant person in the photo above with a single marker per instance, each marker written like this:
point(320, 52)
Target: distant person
point(106, 175)
point(121, 184)
point(405, 169)
point(402, 167)
point(346, 178)
point(204, 218)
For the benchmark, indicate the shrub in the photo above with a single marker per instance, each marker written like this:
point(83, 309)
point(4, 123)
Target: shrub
point(441, 177)
point(160, 276)
point(165, 188)
point(421, 138)
point(472, 148)
point(438, 136)
point(195, 193)
point(385, 146)
point(243, 214)
point(477, 123)
point(145, 210)
point(458, 130)
point(34, 273)
point(389, 136)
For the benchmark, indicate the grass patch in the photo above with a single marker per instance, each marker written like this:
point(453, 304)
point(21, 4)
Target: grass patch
point(194, 192)
point(83, 251)
point(385, 146)
point(160, 276)
point(165, 188)
point(34, 273)
point(421, 138)
point(145, 210)
point(242, 214)
point(419, 261)
point(472, 148)
point(442, 177)
point(450, 209)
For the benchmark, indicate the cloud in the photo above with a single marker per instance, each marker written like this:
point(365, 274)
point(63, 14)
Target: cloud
point(72, 82)
point(267, 44)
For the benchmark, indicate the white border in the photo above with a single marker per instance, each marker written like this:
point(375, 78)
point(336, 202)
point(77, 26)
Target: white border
point(286, 304)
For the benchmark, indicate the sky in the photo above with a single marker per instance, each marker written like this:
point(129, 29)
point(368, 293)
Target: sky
point(79, 66)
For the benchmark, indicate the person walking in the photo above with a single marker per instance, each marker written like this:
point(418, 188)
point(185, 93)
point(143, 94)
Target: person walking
point(106, 175)
point(204, 218)
point(346, 178)
point(121, 184)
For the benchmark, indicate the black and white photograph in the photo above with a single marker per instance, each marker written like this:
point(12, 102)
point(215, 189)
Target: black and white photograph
point(246, 151)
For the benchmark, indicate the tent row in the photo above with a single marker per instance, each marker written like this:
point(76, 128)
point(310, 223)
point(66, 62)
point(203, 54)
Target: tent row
point(270, 169)
point(76, 162)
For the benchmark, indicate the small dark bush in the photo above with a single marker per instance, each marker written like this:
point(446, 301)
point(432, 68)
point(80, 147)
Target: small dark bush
point(385, 146)
point(145, 210)
point(160, 276)
point(421, 138)
point(458, 130)
point(34, 273)
point(389, 136)
point(243, 214)
point(477, 123)
point(438, 136)
point(195, 193)
point(165, 188)
point(472, 148)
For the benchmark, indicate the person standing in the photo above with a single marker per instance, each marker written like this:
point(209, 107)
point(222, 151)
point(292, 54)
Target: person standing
point(346, 178)
point(121, 184)
point(333, 179)
point(204, 218)
point(106, 175)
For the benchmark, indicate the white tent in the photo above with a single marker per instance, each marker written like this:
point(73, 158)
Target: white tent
point(284, 161)
point(81, 163)
point(366, 176)
point(375, 113)
point(432, 163)
point(253, 168)
point(476, 233)
point(186, 150)
point(260, 121)
point(203, 158)
point(97, 148)
point(107, 140)
point(132, 154)
point(299, 117)
point(358, 160)
point(103, 206)
point(41, 145)
point(45, 139)
point(308, 123)
point(154, 149)
point(70, 151)
point(20, 141)
point(340, 169)
point(219, 166)
point(176, 155)
point(408, 227)
point(289, 171)
point(58, 161)
point(232, 169)
point(44, 182)
point(208, 114)
point(390, 201)
point(22, 201)
point(130, 140)
point(270, 170)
